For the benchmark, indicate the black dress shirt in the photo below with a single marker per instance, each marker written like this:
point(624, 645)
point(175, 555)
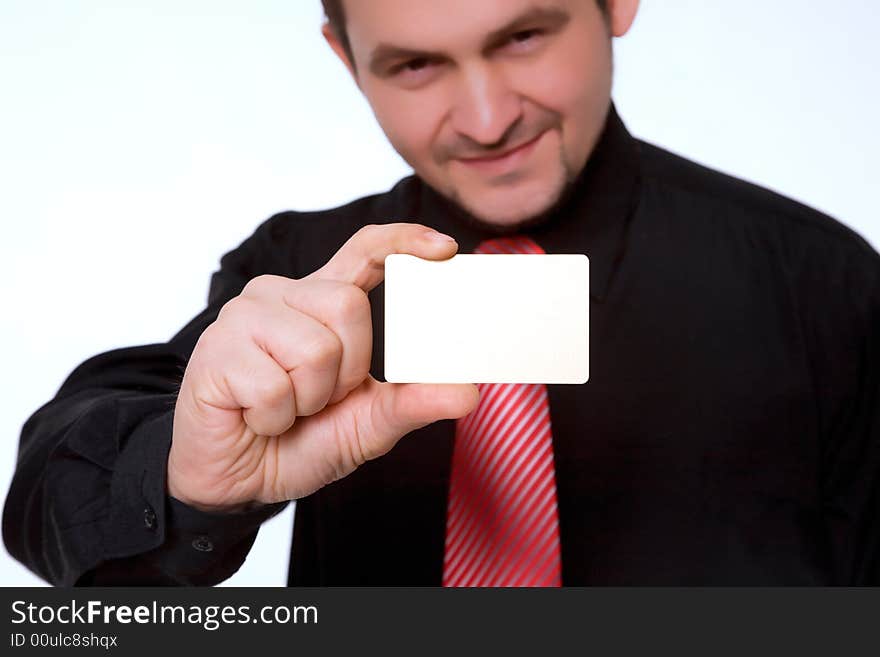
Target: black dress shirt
point(729, 432)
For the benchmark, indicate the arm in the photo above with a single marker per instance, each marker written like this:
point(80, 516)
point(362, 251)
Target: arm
point(275, 401)
point(87, 503)
point(850, 377)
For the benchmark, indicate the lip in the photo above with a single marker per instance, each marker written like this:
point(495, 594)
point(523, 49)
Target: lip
point(505, 162)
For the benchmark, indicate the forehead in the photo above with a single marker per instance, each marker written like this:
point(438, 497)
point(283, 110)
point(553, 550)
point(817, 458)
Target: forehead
point(435, 24)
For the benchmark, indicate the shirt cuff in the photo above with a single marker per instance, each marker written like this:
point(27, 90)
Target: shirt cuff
point(204, 548)
point(188, 545)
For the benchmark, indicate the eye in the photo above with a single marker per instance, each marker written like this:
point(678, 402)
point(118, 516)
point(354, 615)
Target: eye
point(524, 38)
point(411, 66)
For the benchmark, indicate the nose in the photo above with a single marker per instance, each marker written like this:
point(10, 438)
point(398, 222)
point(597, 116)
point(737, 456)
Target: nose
point(485, 106)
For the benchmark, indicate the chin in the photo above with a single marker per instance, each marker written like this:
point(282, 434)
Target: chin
point(506, 219)
point(508, 211)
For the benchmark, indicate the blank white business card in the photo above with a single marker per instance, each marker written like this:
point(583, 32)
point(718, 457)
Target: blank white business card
point(487, 318)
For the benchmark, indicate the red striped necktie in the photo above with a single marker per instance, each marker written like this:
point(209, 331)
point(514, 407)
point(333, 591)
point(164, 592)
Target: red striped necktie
point(502, 523)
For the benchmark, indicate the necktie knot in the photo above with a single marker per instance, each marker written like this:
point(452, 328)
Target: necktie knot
point(509, 244)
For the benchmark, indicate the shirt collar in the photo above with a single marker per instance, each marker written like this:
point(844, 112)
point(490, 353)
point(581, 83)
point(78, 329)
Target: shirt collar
point(593, 220)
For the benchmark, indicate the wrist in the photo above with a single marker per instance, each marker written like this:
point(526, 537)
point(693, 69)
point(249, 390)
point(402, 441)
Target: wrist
point(217, 509)
point(177, 493)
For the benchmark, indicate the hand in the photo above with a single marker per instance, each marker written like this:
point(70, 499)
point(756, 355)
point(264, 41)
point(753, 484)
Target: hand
point(277, 399)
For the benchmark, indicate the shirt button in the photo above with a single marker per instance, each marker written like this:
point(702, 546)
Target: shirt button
point(149, 518)
point(203, 544)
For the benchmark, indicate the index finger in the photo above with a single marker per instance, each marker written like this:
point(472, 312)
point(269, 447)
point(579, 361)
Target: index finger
point(361, 260)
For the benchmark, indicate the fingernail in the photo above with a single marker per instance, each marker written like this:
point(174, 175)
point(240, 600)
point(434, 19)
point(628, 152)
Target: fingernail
point(438, 237)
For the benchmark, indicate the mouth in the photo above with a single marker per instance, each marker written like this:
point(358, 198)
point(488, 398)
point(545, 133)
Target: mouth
point(504, 162)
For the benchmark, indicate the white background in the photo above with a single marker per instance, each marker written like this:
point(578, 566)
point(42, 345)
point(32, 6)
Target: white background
point(160, 132)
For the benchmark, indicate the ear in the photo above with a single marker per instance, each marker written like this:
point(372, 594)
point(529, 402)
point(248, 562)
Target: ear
point(339, 49)
point(621, 14)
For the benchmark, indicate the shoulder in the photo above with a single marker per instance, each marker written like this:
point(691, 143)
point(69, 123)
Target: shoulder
point(324, 223)
point(296, 242)
point(826, 264)
point(725, 199)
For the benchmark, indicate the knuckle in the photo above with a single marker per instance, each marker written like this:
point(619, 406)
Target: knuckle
point(350, 383)
point(407, 226)
point(359, 373)
point(261, 284)
point(323, 350)
point(369, 230)
point(210, 339)
point(237, 309)
point(272, 390)
point(227, 307)
point(349, 301)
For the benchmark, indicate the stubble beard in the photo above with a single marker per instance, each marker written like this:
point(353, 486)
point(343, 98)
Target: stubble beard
point(564, 190)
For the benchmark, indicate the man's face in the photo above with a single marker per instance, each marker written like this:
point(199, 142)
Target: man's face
point(496, 104)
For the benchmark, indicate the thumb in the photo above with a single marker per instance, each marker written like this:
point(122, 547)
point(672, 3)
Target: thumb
point(405, 407)
point(321, 448)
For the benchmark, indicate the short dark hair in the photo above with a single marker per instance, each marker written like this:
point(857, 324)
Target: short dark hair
point(335, 14)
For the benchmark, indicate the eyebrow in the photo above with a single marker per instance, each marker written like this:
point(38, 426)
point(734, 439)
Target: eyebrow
point(555, 17)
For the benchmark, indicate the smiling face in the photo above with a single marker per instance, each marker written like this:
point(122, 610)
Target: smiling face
point(496, 104)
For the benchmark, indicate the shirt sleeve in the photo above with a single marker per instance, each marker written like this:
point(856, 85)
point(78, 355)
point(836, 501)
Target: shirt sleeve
point(87, 504)
point(850, 450)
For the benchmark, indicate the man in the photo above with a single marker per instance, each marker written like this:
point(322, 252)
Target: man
point(729, 434)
